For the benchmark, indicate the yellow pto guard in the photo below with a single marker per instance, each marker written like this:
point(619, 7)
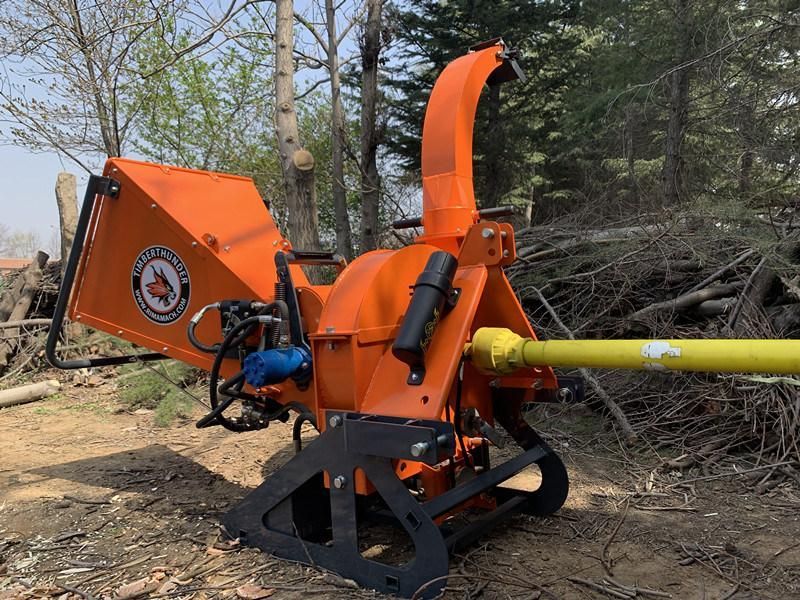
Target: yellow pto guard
point(501, 351)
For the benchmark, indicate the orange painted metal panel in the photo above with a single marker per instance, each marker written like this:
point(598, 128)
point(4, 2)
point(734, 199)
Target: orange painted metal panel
point(173, 241)
point(448, 198)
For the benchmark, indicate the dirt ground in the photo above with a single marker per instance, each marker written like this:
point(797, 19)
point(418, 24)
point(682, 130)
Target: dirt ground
point(99, 502)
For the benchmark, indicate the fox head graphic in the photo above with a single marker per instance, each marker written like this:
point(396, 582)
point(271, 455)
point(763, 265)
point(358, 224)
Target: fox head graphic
point(160, 288)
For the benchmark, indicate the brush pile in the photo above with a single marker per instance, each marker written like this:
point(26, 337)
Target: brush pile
point(686, 276)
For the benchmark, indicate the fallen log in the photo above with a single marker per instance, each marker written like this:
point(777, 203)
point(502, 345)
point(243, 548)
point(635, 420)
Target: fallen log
point(687, 300)
point(28, 393)
point(713, 308)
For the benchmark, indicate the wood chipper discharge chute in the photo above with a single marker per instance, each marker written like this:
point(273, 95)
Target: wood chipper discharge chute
point(406, 364)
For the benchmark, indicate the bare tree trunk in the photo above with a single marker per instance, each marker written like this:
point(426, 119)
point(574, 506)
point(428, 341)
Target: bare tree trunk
point(67, 199)
point(297, 164)
point(746, 127)
point(370, 134)
point(344, 241)
point(672, 175)
point(627, 140)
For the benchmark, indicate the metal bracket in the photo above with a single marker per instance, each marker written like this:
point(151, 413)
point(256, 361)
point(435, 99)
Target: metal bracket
point(399, 438)
point(295, 323)
point(317, 257)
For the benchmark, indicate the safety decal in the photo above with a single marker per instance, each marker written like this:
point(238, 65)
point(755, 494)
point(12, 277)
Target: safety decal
point(160, 283)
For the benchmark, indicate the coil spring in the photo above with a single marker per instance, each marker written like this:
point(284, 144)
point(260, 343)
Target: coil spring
point(280, 294)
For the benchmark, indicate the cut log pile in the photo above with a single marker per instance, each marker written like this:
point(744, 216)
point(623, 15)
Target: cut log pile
point(691, 277)
point(28, 296)
point(25, 305)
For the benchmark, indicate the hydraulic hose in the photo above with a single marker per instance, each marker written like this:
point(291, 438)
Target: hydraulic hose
point(276, 306)
point(195, 320)
point(297, 427)
point(233, 338)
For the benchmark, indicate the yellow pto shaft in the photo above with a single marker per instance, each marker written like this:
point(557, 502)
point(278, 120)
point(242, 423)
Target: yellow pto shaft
point(501, 351)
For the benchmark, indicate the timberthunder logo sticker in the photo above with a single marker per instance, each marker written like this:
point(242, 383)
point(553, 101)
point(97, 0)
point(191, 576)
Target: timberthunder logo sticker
point(160, 285)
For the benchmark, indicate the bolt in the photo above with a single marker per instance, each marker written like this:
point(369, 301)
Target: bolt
point(414, 377)
point(504, 234)
point(419, 449)
point(538, 384)
point(164, 349)
point(339, 482)
point(335, 421)
point(564, 394)
point(226, 248)
point(506, 253)
point(194, 244)
point(153, 205)
point(119, 331)
point(487, 233)
point(304, 365)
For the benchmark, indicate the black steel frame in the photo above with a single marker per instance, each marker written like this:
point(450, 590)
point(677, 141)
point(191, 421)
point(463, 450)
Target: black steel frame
point(293, 515)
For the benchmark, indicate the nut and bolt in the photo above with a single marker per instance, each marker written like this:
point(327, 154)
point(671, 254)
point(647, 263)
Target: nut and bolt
point(487, 233)
point(420, 448)
point(339, 482)
point(335, 421)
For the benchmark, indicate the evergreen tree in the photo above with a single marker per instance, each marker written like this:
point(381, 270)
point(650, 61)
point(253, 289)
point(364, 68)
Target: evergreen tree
point(517, 121)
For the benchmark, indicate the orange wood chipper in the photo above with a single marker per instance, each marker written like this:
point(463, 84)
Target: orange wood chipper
point(407, 364)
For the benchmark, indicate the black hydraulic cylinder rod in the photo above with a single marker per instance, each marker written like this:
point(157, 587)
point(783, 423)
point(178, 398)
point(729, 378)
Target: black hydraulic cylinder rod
point(484, 213)
point(431, 292)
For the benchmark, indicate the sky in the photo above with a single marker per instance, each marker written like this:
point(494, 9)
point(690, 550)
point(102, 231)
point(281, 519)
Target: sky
point(27, 190)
